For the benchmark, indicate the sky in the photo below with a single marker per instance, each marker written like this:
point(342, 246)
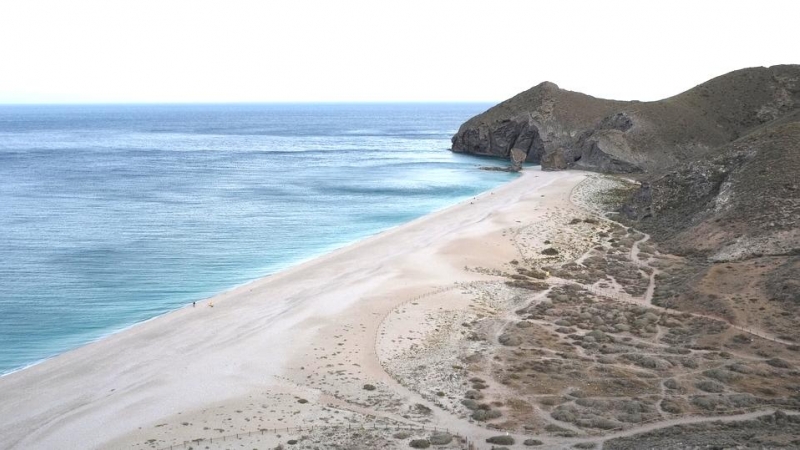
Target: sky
point(176, 51)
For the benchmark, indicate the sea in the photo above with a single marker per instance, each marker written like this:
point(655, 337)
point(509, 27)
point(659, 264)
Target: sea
point(111, 215)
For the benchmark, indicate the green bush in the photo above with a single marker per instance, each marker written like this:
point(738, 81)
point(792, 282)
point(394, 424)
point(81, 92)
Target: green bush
point(484, 414)
point(710, 386)
point(779, 363)
point(440, 438)
point(501, 440)
point(470, 404)
point(475, 395)
point(585, 445)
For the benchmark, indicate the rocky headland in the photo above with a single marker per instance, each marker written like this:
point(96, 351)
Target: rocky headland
point(561, 129)
point(716, 166)
point(710, 177)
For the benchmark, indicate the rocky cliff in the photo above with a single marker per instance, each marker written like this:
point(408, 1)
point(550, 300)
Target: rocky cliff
point(732, 221)
point(718, 195)
point(732, 213)
point(718, 170)
point(739, 202)
point(561, 129)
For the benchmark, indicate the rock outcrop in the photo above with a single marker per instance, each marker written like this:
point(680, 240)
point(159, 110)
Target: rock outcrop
point(719, 173)
point(734, 212)
point(560, 129)
point(741, 201)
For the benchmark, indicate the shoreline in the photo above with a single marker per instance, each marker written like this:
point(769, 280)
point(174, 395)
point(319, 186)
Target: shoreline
point(182, 361)
point(288, 266)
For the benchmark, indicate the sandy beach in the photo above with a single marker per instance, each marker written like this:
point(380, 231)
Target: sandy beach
point(233, 226)
point(241, 361)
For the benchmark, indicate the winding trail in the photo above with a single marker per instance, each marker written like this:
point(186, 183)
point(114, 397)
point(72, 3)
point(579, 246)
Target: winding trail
point(647, 300)
point(692, 419)
point(445, 419)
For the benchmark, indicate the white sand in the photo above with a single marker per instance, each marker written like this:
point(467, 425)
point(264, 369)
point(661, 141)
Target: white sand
point(308, 332)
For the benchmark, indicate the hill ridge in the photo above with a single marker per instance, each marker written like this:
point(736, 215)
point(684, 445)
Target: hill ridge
point(563, 129)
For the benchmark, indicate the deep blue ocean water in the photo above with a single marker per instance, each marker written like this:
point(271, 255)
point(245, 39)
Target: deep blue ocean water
point(111, 215)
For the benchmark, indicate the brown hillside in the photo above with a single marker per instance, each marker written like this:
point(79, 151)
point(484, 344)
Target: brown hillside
point(564, 129)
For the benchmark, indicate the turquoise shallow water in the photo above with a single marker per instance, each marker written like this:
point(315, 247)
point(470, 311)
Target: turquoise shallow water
point(111, 215)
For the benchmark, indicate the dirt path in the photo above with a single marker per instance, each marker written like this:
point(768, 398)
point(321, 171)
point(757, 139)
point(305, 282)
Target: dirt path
point(691, 419)
point(634, 254)
point(647, 300)
point(442, 418)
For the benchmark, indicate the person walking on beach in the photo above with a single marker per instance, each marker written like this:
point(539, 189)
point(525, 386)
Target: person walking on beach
point(194, 304)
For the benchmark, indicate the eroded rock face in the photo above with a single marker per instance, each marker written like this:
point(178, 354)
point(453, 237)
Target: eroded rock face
point(518, 133)
point(561, 129)
point(743, 202)
point(604, 149)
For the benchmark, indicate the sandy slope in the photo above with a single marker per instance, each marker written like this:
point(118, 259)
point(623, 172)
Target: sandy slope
point(242, 364)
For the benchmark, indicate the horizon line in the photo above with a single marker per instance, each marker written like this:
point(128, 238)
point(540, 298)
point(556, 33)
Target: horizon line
point(289, 102)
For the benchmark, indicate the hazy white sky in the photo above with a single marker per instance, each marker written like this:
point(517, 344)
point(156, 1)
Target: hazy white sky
point(405, 50)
